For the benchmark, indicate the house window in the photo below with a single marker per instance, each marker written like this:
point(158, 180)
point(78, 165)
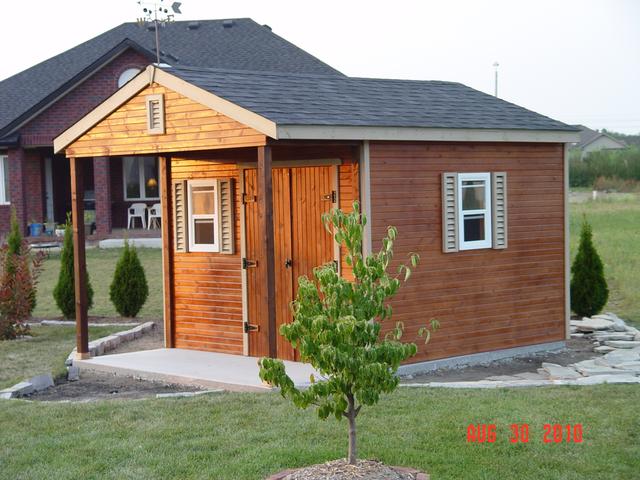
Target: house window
point(203, 215)
point(4, 180)
point(474, 210)
point(140, 178)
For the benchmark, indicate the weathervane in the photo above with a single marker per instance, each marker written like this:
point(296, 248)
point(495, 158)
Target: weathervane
point(158, 14)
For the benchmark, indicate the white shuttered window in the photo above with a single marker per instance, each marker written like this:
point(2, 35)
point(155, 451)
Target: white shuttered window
point(203, 216)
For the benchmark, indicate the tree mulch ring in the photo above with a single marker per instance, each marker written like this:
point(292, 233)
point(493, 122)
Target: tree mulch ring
point(341, 470)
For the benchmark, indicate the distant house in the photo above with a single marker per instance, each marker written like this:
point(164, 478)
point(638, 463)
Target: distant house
point(36, 105)
point(593, 141)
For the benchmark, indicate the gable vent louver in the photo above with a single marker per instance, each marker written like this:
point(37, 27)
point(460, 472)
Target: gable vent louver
point(155, 114)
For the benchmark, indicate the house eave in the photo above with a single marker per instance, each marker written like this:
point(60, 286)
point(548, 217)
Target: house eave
point(327, 132)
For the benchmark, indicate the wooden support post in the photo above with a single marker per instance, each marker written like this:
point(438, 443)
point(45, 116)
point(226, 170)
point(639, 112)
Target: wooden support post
point(265, 222)
point(167, 249)
point(79, 259)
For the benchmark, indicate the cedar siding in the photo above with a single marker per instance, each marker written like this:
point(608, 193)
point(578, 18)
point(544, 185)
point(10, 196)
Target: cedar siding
point(484, 299)
point(189, 126)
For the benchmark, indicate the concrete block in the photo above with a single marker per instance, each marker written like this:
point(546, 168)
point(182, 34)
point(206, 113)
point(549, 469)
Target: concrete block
point(41, 382)
point(17, 390)
point(73, 374)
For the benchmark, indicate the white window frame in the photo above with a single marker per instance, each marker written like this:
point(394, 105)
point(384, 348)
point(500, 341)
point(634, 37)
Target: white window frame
point(204, 247)
point(3, 173)
point(141, 182)
point(477, 244)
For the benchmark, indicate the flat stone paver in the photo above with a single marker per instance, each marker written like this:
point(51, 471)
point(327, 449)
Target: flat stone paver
point(192, 367)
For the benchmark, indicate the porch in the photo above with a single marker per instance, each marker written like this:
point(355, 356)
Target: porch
point(193, 367)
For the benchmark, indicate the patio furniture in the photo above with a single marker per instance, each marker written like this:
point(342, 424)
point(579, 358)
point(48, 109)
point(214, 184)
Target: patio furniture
point(137, 210)
point(155, 216)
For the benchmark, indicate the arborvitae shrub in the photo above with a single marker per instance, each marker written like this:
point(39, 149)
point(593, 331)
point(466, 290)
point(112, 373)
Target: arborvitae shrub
point(589, 292)
point(64, 292)
point(129, 289)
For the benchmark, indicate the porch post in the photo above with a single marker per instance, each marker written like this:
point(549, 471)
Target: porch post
point(167, 249)
point(79, 259)
point(102, 188)
point(265, 223)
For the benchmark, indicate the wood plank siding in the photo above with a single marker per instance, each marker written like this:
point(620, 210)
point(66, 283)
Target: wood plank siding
point(485, 299)
point(208, 289)
point(189, 126)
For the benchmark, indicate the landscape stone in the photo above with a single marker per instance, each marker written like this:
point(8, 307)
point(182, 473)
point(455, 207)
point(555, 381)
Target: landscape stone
point(600, 370)
point(556, 371)
point(603, 349)
point(622, 343)
point(593, 324)
point(621, 356)
point(73, 374)
point(632, 366)
point(600, 379)
point(502, 378)
point(531, 376)
point(603, 337)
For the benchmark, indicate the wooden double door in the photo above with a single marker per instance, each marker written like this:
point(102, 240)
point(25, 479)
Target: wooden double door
point(300, 196)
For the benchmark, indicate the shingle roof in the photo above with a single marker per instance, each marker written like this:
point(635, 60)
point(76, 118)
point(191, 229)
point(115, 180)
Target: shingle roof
point(588, 135)
point(299, 99)
point(246, 45)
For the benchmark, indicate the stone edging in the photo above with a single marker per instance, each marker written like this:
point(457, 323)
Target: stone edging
point(72, 323)
point(412, 471)
point(102, 345)
point(34, 384)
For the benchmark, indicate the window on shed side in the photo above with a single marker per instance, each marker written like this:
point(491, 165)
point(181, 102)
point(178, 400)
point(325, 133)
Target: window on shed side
point(4, 180)
point(474, 211)
point(203, 216)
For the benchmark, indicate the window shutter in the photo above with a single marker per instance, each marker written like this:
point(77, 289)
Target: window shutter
point(449, 212)
point(155, 114)
point(180, 220)
point(226, 220)
point(499, 209)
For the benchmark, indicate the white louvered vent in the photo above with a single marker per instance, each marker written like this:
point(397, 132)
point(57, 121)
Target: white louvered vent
point(180, 220)
point(499, 209)
point(155, 114)
point(226, 223)
point(449, 213)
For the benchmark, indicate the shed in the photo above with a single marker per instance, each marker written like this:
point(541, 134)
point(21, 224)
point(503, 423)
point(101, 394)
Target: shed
point(249, 161)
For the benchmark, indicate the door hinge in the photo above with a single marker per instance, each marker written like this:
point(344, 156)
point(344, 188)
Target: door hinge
point(331, 196)
point(250, 327)
point(248, 263)
point(246, 198)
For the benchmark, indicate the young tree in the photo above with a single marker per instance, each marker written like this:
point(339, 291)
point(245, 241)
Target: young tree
point(589, 291)
point(336, 328)
point(129, 289)
point(19, 272)
point(64, 292)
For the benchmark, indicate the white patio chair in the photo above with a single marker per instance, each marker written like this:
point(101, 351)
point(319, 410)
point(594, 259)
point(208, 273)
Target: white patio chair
point(137, 210)
point(155, 216)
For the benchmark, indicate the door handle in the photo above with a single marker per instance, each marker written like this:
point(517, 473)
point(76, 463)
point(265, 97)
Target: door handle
point(288, 263)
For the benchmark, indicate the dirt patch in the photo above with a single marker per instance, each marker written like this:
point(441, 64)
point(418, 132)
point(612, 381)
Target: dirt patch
point(576, 351)
point(341, 470)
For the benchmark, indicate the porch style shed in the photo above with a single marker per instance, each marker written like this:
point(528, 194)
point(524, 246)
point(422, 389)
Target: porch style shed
point(249, 162)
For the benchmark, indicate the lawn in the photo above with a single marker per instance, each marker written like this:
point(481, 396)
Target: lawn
point(101, 264)
point(616, 233)
point(44, 353)
point(247, 436)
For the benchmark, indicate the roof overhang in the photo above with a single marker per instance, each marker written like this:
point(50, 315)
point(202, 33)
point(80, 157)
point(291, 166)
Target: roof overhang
point(147, 77)
point(324, 132)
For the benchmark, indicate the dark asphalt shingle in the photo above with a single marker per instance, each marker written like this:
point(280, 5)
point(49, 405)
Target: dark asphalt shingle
point(245, 46)
point(299, 99)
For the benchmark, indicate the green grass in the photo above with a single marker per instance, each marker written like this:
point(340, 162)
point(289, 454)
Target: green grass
point(616, 233)
point(44, 353)
point(248, 436)
point(101, 263)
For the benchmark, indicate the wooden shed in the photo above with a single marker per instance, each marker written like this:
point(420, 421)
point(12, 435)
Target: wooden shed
point(250, 161)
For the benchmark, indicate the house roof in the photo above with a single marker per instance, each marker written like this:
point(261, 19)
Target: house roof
point(305, 99)
point(588, 135)
point(233, 44)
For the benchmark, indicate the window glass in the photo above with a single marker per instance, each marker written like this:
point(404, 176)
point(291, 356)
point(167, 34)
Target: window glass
point(150, 177)
point(473, 195)
point(132, 177)
point(5, 177)
point(204, 231)
point(473, 228)
point(203, 199)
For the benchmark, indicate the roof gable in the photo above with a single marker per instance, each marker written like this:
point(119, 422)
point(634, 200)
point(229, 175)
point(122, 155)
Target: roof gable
point(244, 45)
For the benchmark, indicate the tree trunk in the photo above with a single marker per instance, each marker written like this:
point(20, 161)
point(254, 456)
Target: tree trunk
point(351, 416)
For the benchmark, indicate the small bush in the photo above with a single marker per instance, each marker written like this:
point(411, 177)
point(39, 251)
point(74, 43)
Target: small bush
point(19, 272)
point(64, 292)
point(589, 292)
point(129, 289)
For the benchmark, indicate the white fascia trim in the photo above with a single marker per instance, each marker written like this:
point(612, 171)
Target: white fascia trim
point(322, 132)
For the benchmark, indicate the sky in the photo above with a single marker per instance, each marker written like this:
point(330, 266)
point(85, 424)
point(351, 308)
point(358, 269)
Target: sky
point(577, 61)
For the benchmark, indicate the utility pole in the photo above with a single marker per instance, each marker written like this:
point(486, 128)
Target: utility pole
point(156, 13)
point(496, 65)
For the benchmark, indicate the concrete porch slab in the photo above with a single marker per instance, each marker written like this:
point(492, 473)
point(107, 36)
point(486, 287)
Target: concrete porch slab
point(136, 242)
point(192, 367)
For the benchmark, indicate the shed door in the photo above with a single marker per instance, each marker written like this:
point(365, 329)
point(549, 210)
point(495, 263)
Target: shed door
point(300, 197)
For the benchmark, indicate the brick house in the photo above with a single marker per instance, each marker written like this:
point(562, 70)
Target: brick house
point(44, 100)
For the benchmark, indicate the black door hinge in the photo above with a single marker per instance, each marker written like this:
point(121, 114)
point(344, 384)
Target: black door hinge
point(333, 196)
point(248, 327)
point(248, 263)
